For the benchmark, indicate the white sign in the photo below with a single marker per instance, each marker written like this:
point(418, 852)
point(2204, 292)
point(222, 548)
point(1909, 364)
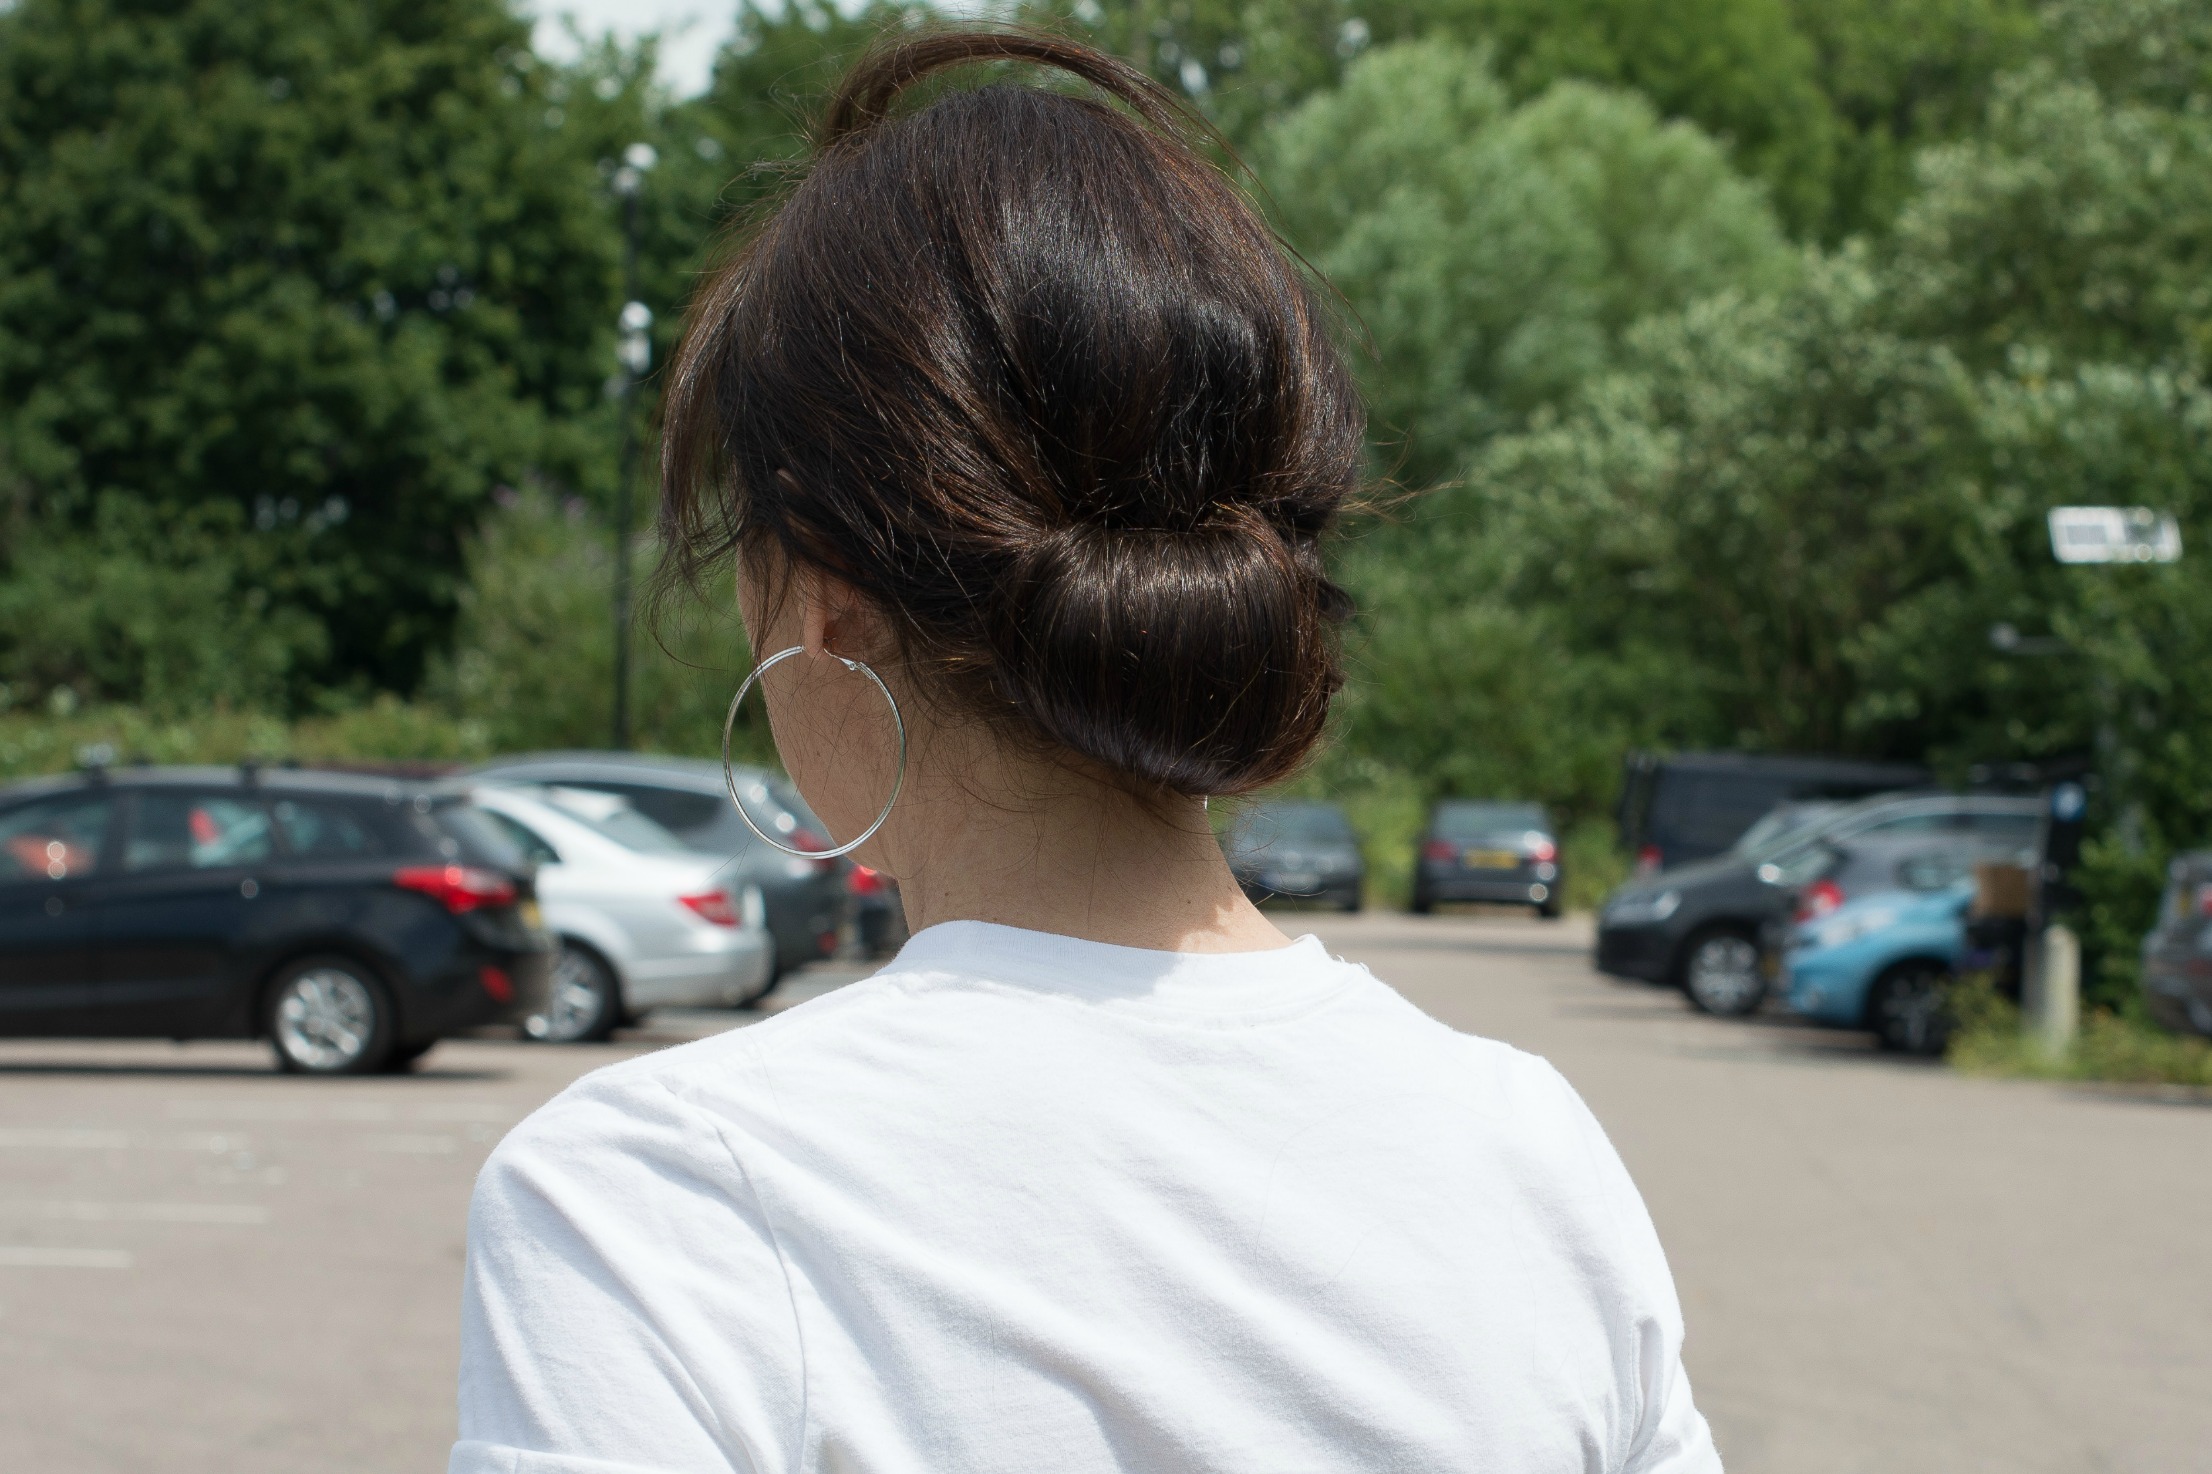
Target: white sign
point(2113, 535)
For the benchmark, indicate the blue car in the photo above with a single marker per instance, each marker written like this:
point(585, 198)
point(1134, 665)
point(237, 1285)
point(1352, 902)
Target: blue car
point(1882, 962)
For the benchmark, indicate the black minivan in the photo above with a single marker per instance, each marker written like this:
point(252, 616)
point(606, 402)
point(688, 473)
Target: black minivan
point(351, 921)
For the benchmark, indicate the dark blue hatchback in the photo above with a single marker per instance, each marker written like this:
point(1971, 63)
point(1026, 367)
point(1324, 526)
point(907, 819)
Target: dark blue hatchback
point(351, 921)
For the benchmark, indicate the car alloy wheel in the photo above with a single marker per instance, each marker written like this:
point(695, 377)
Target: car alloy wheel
point(1912, 1009)
point(1723, 975)
point(583, 1004)
point(325, 1018)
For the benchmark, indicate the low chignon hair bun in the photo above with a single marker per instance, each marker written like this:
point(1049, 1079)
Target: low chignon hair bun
point(1031, 375)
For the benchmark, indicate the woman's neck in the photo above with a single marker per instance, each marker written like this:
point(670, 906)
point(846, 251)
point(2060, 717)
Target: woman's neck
point(1046, 849)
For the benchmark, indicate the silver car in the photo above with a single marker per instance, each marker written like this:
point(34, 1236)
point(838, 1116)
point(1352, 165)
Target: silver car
point(643, 921)
point(2177, 955)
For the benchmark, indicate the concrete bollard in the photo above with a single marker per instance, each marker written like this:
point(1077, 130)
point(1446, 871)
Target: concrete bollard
point(2051, 990)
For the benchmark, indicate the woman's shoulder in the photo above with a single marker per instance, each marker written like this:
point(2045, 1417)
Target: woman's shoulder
point(665, 1096)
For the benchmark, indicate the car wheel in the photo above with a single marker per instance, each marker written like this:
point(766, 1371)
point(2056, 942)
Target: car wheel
point(329, 1016)
point(1421, 905)
point(1910, 1008)
point(1722, 975)
point(1351, 901)
point(1548, 910)
point(403, 1058)
point(583, 1005)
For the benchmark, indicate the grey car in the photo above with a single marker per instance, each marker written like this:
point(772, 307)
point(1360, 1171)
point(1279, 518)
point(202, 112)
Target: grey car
point(1699, 926)
point(1296, 850)
point(1488, 851)
point(2177, 955)
point(806, 899)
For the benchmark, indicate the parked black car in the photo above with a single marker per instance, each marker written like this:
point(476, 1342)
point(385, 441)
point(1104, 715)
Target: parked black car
point(1296, 850)
point(1488, 852)
point(2177, 955)
point(1699, 926)
point(351, 921)
point(879, 917)
point(806, 899)
point(1694, 805)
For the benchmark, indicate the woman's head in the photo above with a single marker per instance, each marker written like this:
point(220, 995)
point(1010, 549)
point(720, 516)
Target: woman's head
point(1027, 377)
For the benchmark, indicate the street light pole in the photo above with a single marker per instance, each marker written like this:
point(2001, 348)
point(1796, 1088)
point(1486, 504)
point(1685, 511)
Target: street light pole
point(635, 350)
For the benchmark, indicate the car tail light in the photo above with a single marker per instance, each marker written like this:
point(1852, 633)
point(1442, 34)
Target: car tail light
point(804, 838)
point(2204, 900)
point(865, 882)
point(499, 986)
point(458, 888)
point(712, 906)
point(1818, 899)
point(1543, 850)
point(1649, 861)
point(1441, 850)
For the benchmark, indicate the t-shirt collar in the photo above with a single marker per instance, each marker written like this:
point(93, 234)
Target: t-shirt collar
point(1215, 983)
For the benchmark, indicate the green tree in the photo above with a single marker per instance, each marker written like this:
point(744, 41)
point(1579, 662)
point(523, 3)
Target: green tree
point(1898, 75)
point(309, 278)
point(2071, 227)
point(533, 653)
point(1496, 253)
point(1738, 69)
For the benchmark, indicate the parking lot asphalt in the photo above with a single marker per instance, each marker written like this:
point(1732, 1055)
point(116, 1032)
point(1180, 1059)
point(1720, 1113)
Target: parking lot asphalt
point(207, 1266)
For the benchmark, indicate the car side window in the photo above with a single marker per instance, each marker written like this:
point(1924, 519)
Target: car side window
point(1928, 821)
point(533, 846)
point(1934, 870)
point(195, 831)
point(55, 838)
point(670, 808)
point(2005, 831)
point(322, 829)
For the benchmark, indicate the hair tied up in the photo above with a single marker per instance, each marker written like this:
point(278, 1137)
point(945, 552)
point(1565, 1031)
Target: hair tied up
point(1027, 372)
point(888, 70)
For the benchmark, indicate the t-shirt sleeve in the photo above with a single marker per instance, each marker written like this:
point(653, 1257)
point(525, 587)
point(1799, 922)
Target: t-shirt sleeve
point(625, 1307)
point(1669, 1435)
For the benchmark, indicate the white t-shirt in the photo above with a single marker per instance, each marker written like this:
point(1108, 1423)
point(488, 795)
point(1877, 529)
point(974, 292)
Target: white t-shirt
point(1032, 1205)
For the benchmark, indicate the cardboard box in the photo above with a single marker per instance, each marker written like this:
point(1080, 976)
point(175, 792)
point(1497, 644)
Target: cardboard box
point(2002, 891)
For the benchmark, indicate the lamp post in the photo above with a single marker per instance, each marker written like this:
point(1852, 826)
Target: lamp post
point(2051, 974)
point(634, 350)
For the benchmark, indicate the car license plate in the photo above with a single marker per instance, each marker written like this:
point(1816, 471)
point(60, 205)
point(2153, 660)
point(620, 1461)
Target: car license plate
point(532, 917)
point(1492, 860)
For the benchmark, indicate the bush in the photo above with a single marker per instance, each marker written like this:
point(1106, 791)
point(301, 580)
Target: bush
point(2117, 1045)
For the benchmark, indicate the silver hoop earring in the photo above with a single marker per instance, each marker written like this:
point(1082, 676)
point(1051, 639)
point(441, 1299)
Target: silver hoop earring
point(729, 769)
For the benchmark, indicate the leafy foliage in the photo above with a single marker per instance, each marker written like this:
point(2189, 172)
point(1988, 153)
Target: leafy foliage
point(320, 274)
point(1497, 253)
point(534, 653)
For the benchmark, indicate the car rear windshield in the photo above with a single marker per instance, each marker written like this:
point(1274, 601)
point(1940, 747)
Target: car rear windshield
point(474, 837)
point(1483, 821)
point(611, 815)
point(1296, 824)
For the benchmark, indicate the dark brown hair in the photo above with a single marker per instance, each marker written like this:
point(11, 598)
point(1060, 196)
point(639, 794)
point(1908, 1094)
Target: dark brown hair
point(1030, 374)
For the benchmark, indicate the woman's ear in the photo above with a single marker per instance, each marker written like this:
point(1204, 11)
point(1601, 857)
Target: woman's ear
point(833, 618)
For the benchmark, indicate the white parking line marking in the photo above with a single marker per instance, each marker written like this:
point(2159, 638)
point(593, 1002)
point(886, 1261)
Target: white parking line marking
point(360, 1112)
point(61, 1138)
point(91, 1139)
point(282, 1112)
point(138, 1212)
point(32, 1256)
point(415, 1145)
